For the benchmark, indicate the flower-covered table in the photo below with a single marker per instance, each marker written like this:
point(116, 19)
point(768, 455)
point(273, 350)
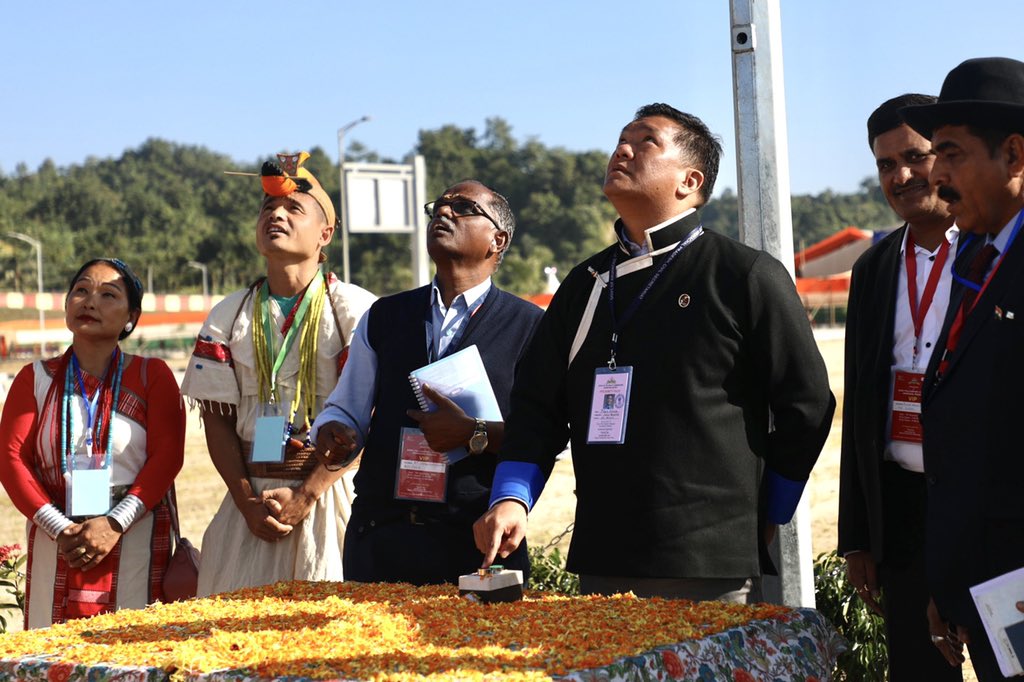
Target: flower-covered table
point(299, 631)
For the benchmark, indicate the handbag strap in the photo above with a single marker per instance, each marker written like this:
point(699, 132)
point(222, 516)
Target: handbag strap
point(172, 503)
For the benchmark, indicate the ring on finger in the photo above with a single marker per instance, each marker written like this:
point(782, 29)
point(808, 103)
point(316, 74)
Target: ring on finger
point(938, 639)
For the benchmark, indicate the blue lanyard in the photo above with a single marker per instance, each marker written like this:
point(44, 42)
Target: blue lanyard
point(90, 403)
point(635, 304)
point(67, 414)
point(970, 240)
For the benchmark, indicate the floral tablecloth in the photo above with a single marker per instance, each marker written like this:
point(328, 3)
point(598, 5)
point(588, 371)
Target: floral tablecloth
point(306, 631)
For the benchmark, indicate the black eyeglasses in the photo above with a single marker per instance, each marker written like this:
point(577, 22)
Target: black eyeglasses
point(461, 207)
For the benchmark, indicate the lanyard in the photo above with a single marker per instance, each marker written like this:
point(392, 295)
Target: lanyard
point(90, 403)
point(618, 325)
point(961, 314)
point(293, 331)
point(67, 415)
point(918, 311)
point(432, 353)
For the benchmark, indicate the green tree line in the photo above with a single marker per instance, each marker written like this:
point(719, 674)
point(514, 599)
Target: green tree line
point(164, 204)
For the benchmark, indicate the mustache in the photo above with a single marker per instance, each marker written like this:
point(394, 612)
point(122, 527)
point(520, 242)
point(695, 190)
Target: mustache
point(912, 185)
point(948, 194)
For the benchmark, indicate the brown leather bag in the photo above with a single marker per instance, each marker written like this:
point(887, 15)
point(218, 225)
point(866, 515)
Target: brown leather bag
point(181, 578)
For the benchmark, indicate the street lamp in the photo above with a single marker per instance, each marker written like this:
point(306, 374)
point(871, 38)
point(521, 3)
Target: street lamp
point(202, 268)
point(341, 194)
point(38, 246)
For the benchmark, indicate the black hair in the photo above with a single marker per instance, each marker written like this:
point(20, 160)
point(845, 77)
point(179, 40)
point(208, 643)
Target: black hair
point(887, 117)
point(133, 285)
point(700, 146)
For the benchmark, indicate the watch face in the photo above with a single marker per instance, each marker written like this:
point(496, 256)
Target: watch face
point(477, 443)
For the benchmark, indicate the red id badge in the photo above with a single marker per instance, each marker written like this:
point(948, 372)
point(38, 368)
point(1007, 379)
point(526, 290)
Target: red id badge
point(906, 405)
point(422, 473)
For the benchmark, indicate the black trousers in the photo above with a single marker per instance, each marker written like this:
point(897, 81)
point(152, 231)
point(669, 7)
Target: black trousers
point(912, 655)
point(400, 546)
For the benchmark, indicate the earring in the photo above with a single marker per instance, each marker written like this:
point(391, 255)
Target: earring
point(128, 327)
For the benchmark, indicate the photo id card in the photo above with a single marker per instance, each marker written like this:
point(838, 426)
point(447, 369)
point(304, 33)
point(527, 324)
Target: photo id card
point(906, 405)
point(88, 492)
point(422, 473)
point(609, 407)
point(269, 440)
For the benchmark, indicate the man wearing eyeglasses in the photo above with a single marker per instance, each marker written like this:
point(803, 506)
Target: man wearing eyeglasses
point(422, 534)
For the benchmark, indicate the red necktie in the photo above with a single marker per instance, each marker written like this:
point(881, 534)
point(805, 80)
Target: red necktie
point(976, 272)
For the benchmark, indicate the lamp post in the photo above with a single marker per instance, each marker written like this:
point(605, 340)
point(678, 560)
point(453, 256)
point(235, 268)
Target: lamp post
point(202, 268)
point(345, 273)
point(38, 246)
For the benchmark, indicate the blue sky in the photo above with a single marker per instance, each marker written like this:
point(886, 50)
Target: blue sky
point(251, 78)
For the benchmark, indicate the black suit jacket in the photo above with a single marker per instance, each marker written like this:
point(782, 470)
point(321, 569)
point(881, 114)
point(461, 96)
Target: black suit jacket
point(974, 454)
point(871, 314)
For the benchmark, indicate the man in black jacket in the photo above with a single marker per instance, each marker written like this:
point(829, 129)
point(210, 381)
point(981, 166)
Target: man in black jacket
point(893, 324)
point(971, 411)
point(412, 518)
point(720, 396)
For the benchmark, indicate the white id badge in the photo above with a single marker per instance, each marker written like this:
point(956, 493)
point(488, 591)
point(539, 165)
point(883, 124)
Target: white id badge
point(269, 439)
point(88, 489)
point(609, 407)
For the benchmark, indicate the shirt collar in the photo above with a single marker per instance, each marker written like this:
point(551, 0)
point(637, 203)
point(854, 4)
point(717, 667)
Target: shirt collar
point(1001, 239)
point(661, 235)
point(951, 236)
point(469, 296)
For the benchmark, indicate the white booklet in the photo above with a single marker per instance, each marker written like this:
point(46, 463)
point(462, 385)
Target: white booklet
point(996, 600)
point(462, 378)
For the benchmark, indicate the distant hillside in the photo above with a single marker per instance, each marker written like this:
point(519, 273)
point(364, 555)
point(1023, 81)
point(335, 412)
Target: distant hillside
point(164, 204)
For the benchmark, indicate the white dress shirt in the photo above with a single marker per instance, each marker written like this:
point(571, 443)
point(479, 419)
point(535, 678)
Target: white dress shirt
point(908, 455)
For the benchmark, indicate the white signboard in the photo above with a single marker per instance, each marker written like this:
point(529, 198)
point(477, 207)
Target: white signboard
point(379, 198)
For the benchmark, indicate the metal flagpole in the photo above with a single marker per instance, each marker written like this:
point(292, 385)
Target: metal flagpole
point(766, 223)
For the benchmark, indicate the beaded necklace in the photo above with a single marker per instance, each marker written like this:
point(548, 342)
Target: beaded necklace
point(107, 408)
point(305, 323)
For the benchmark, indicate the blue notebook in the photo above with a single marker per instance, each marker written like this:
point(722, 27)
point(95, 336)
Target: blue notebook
point(462, 378)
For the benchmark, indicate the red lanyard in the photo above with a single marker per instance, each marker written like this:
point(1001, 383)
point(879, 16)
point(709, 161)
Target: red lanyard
point(958, 322)
point(919, 311)
point(961, 314)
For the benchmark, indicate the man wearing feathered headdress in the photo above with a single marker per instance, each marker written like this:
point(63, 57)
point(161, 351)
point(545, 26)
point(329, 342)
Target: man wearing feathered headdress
point(265, 359)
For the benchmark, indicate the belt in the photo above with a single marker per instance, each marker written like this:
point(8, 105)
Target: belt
point(411, 516)
point(297, 464)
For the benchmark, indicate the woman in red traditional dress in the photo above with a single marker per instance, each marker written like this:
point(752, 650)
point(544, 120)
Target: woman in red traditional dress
point(90, 443)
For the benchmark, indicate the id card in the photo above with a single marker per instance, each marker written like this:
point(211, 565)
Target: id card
point(269, 439)
point(422, 473)
point(88, 492)
point(609, 406)
point(906, 405)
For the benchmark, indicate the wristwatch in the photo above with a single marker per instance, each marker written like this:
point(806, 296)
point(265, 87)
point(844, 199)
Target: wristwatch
point(478, 441)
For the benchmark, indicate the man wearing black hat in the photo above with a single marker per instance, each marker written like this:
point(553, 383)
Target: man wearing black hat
point(971, 402)
point(899, 292)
